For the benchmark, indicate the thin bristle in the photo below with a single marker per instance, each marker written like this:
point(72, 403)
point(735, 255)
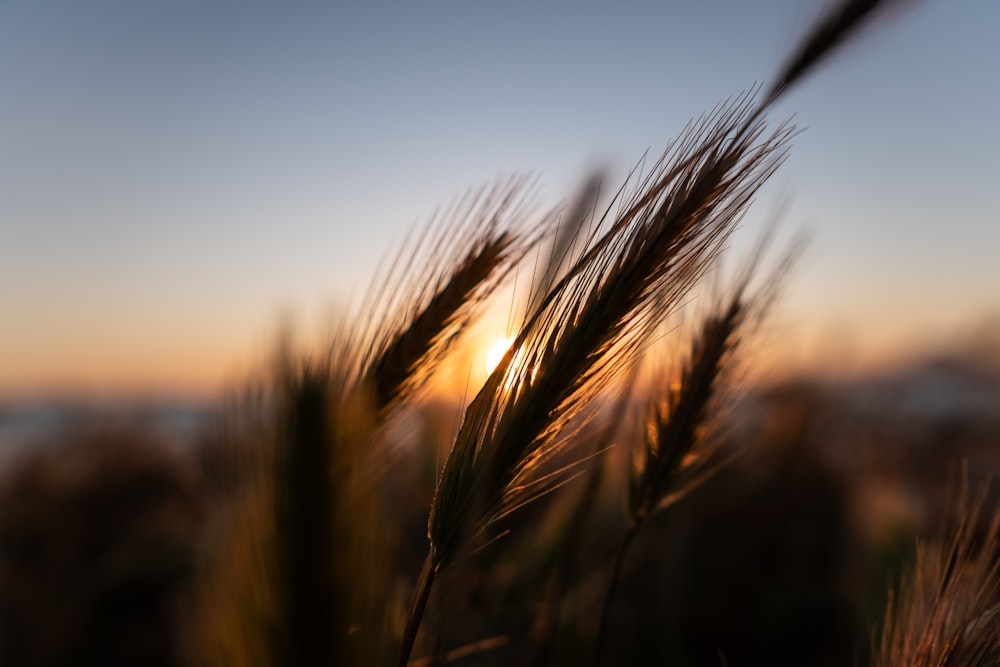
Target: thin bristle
point(401, 367)
point(602, 310)
point(947, 612)
point(591, 326)
point(568, 234)
point(665, 468)
point(589, 330)
point(679, 449)
point(662, 472)
point(432, 292)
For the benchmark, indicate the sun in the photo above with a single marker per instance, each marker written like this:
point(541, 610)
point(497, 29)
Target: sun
point(496, 352)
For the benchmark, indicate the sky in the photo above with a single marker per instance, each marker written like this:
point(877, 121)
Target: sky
point(177, 178)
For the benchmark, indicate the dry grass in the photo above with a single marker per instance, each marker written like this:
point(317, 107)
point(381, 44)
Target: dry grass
point(309, 552)
point(401, 365)
point(594, 321)
point(674, 455)
point(432, 294)
point(946, 611)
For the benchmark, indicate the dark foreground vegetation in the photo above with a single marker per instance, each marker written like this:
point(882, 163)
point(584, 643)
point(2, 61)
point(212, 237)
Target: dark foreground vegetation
point(575, 511)
point(120, 547)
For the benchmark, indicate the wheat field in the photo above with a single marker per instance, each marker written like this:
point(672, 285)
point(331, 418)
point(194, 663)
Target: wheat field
point(580, 507)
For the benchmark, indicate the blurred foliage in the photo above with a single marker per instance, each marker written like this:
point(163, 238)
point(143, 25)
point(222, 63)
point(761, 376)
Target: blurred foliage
point(118, 548)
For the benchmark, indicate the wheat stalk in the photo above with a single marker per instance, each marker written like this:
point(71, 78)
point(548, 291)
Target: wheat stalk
point(309, 522)
point(433, 291)
point(842, 22)
point(674, 454)
point(595, 319)
point(589, 328)
point(946, 612)
point(410, 355)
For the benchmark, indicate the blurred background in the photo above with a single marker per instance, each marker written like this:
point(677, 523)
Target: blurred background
point(180, 181)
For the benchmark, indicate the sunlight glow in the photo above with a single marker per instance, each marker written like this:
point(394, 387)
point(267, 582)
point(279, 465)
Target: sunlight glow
point(496, 352)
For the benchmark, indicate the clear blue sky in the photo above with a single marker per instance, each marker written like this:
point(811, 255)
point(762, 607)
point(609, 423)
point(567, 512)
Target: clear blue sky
point(175, 175)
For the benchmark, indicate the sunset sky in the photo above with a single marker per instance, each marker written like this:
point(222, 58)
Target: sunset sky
point(176, 177)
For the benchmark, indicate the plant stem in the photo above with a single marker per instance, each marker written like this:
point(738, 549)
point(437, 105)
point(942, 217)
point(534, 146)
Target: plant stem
point(420, 597)
point(609, 597)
